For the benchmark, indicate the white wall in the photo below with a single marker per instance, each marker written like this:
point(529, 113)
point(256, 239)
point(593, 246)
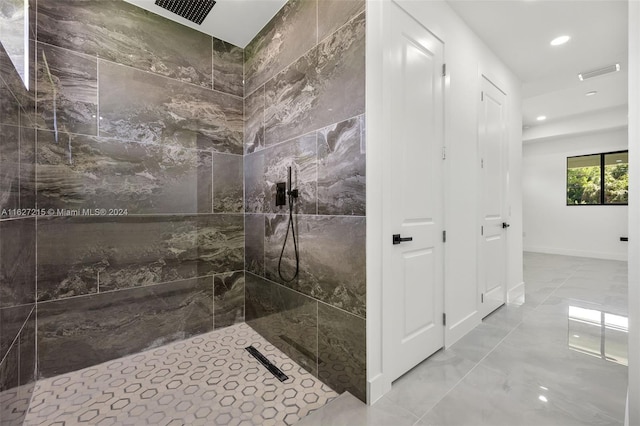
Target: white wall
point(550, 226)
point(467, 58)
point(634, 214)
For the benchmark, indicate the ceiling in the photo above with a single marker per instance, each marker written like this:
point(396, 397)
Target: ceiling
point(519, 33)
point(234, 21)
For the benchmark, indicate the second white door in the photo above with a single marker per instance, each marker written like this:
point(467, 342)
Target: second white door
point(492, 247)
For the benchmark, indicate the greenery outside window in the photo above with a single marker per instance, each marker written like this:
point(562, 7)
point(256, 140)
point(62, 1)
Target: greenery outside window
point(598, 179)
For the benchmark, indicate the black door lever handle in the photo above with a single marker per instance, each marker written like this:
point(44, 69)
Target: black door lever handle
point(397, 239)
point(505, 225)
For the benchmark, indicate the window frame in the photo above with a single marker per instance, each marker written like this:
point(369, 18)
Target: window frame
point(602, 178)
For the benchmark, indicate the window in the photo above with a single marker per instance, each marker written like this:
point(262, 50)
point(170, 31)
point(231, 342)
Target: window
point(598, 179)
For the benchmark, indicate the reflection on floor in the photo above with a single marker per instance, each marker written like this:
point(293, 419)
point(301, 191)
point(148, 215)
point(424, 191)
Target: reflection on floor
point(558, 357)
point(208, 379)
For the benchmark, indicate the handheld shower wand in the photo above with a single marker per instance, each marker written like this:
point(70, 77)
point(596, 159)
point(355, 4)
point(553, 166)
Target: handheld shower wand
point(292, 194)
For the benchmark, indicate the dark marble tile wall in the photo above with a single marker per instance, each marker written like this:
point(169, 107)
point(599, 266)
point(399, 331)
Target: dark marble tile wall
point(93, 329)
point(342, 348)
point(89, 172)
point(304, 108)
point(17, 262)
point(139, 106)
point(290, 33)
point(17, 373)
point(85, 255)
point(136, 113)
point(120, 32)
point(17, 241)
point(68, 81)
point(310, 93)
point(286, 318)
point(228, 302)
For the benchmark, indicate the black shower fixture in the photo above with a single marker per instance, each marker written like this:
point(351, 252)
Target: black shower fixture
point(281, 195)
point(193, 10)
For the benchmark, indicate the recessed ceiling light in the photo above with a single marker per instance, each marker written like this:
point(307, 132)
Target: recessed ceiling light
point(591, 93)
point(541, 118)
point(560, 40)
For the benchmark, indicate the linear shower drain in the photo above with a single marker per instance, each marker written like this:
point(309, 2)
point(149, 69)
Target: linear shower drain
point(268, 364)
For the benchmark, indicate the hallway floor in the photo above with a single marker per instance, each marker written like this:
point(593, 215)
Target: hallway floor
point(556, 358)
point(206, 380)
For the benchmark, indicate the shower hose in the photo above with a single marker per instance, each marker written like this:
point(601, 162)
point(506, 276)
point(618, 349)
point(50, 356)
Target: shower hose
point(292, 194)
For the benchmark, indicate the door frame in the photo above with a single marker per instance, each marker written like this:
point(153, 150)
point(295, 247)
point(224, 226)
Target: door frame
point(483, 75)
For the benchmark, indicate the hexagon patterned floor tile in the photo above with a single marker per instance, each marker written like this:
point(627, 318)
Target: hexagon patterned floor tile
point(206, 380)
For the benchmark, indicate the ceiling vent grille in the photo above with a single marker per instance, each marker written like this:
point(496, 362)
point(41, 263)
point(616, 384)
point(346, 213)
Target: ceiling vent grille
point(193, 10)
point(597, 73)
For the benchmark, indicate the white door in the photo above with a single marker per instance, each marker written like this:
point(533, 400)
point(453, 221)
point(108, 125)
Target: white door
point(492, 141)
point(413, 295)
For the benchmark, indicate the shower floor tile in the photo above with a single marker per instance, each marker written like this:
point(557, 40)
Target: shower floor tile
point(206, 380)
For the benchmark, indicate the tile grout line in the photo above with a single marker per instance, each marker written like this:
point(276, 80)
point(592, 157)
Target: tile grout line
point(492, 350)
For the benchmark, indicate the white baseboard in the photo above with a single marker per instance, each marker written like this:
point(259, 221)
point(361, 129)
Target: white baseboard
point(578, 253)
point(376, 387)
point(515, 292)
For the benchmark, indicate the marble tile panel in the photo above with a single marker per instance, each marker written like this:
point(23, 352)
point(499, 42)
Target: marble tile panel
point(126, 34)
point(219, 243)
point(204, 183)
point(228, 299)
point(11, 322)
point(228, 68)
point(9, 167)
point(289, 34)
point(227, 183)
point(254, 186)
point(13, 90)
point(9, 106)
point(27, 344)
point(139, 106)
point(332, 14)
point(9, 371)
point(93, 329)
point(70, 82)
point(254, 243)
point(300, 155)
point(17, 262)
point(254, 121)
point(27, 168)
point(341, 169)
point(342, 360)
point(275, 231)
point(82, 172)
point(310, 93)
point(75, 253)
point(287, 319)
point(331, 272)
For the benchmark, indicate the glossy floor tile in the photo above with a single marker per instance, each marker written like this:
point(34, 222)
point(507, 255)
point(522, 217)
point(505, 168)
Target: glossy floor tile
point(555, 357)
point(206, 380)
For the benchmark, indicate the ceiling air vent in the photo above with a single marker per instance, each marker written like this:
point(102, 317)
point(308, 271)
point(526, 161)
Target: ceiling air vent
point(597, 73)
point(193, 10)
